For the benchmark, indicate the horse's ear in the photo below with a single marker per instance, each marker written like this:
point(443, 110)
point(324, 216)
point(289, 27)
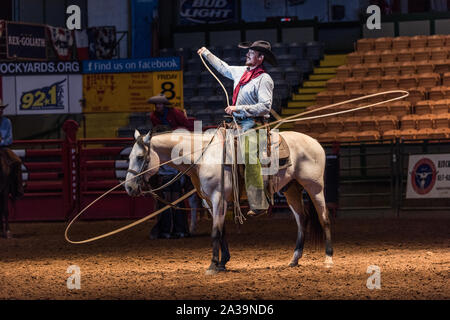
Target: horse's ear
point(147, 137)
point(136, 134)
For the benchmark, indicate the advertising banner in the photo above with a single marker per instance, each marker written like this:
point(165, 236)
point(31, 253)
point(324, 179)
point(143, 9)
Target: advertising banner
point(428, 176)
point(132, 65)
point(42, 94)
point(25, 41)
point(41, 67)
point(129, 92)
point(206, 11)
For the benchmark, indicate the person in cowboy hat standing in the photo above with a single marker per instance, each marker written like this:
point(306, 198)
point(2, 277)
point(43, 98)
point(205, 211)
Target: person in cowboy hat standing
point(171, 223)
point(252, 101)
point(13, 161)
point(166, 115)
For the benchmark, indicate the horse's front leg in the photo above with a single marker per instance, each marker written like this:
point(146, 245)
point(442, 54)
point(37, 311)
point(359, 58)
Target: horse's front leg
point(218, 214)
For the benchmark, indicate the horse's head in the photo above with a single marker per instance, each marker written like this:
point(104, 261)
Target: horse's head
point(141, 158)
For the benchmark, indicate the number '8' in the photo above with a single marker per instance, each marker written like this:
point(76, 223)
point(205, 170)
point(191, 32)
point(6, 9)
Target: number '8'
point(168, 87)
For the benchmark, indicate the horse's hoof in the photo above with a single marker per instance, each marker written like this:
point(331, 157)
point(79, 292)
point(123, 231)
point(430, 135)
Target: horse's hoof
point(293, 264)
point(328, 262)
point(211, 272)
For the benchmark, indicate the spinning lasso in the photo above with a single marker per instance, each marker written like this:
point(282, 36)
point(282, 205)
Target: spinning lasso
point(277, 123)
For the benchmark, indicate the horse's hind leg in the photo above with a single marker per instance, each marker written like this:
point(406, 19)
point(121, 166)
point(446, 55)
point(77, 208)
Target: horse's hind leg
point(294, 198)
point(225, 252)
point(318, 200)
point(217, 235)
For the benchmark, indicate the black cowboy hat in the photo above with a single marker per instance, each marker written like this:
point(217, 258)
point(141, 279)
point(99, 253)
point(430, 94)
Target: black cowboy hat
point(2, 106)
point(261, 46)
point(161, 98)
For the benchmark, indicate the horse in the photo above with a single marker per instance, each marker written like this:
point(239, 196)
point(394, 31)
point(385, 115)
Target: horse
point(213, 182)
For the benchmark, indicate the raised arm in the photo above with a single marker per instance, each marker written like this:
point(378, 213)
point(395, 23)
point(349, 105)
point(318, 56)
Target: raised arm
point(231, 72)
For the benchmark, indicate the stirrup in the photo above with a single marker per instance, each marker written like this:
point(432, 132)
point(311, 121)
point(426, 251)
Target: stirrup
point(256, 212)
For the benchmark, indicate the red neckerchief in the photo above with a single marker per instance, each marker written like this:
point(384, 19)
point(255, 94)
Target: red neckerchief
point(246, 77)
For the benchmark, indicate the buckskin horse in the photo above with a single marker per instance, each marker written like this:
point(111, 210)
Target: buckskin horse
point(213, 182)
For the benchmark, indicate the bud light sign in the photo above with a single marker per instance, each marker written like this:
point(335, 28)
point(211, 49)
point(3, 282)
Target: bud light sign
point(207, 11)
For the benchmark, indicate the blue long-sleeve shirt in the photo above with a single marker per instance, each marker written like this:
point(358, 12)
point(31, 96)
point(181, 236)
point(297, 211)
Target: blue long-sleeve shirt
point(5, 132)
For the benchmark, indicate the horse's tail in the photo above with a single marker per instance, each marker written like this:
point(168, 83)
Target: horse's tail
point(316, 233)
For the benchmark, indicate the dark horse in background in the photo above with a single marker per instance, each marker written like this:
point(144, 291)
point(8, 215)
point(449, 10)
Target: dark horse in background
point(10, 183)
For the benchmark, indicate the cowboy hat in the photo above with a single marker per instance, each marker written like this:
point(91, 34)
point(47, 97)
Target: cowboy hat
point(159, 99)
point(261, 46)
point(2, 105)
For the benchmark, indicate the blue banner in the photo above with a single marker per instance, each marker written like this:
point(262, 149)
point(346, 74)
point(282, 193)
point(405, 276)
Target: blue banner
point(132, 65)
point(143, 14)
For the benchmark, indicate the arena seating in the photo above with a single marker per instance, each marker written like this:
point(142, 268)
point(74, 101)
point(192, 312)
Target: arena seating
point(419, 64)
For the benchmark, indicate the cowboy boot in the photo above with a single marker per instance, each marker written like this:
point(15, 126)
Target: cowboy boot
point(256, 212)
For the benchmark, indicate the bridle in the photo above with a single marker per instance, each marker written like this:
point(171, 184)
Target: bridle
point(140, 180)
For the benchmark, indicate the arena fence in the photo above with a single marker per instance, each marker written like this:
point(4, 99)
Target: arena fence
point(62, 176)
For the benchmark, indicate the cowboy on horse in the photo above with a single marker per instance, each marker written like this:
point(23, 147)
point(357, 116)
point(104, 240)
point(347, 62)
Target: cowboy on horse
point(251, 104)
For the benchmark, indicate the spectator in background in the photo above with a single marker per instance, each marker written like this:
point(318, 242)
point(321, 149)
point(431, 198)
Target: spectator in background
point(13, 162)
point(171, 223)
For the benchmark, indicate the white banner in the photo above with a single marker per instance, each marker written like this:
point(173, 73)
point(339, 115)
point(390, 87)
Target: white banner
point(428, 176)
point(42, 94)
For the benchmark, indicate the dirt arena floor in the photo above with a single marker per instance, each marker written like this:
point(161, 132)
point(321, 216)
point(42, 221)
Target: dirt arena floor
point(413, 256)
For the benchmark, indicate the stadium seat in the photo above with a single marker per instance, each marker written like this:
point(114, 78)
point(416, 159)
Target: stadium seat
point(231, 51)
point(277, 74)
point(191, 77)
point(293, 76)
point(194, 65)
point(399, 108)
point(408, 134)
point(317, 125)
point(388, 56)
point(215, 102)
point(380, 110)
point(436, 41)
point(280, 49)
point(297, 49)
point(340, 96)
point(421, 54)
point(359, 70)
point(352, 84)
point(327, 137)
point(408, 122)
point(355, 58)
point(334, 124)
point(217, 51)
point(429, 80)
point(371, 57)
point(389, 82)
point(167, 52)
point(374, 70)
point(440, 133)
point(369, 123)
point(384, 43)
point(415, 93)
point(196, 103)
point(314, 50)
point(442, 121)
point(446, 79)
point(436, 93)
point(343, 71)
point(189, 90)
point(407, 81)
point(206, 89)
point(391, 134)
point(352, 124)
point(184, 53)
point(441, 66)
point(347, 136)
point(324, 98)
point(335, 84)
point(425, 121)
point(424, 107)
point(305, 65)
point(438, 54)
point(391, 69)
point(369, 135)
point(446, 91)
point(418, 42)
point(425, 133)
point(424, 67)
point(286, 60)
point(365, 112)
point(371, 83)
point(387, 123)
point(282, 89)
point(204, 115)
point(302, 126)
point(365, 44)
point(441, 106)
point(399, 43)
point(404, 55)
point(407, 68)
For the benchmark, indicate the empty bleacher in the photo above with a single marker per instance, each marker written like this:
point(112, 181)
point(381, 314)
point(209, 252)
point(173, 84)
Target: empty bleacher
point(419, 65)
